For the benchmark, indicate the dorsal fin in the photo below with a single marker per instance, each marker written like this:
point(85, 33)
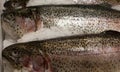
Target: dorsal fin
point(111, 32)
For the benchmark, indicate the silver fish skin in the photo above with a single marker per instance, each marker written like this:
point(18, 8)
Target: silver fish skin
point(110, 2)
point(14, 4)
point(67, 19)
point(86, 53)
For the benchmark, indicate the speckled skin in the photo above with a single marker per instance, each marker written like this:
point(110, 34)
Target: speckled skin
point(69, 19)
point(111, 2)
point(14, 4)
point(87, 53)
point(17, 23)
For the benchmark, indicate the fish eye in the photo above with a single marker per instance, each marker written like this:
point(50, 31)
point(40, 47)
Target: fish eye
point(14, 4)
point(15, 53)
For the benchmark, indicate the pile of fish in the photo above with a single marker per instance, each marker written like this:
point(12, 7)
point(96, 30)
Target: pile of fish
point(92, 42)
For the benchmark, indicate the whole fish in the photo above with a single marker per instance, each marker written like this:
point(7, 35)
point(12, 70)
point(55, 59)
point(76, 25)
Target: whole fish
point(85, 53)
point(13, 4)
point(66, 20)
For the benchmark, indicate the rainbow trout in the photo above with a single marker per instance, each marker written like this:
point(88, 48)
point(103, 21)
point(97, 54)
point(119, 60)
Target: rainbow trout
point(14, 4)
point(85, 53)
point(65, 19)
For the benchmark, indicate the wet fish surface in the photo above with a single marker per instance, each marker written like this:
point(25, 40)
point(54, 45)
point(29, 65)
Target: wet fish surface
point(110, 2)
point(85, 53)
point(14, 4)
point(68, 19)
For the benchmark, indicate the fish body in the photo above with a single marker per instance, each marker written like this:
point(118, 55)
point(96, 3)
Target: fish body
point(64, 19)
point(14, 4)
point(110, 2)
point(85, 53)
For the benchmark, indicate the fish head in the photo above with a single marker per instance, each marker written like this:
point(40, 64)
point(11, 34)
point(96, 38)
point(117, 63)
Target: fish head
point(20, 56)
point(19, 22)
point(14, 54)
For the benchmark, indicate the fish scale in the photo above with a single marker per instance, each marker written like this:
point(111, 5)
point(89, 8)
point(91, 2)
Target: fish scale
point(83, 53)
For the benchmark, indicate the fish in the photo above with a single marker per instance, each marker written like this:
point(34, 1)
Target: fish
point(26, 3)
point(66, 20)
point(83, 53)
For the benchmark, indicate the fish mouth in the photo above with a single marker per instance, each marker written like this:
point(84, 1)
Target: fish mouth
point(11, 62)
point(6, 66)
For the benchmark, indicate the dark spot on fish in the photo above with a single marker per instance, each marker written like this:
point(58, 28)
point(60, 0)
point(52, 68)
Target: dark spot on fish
point(17, 28)
point(118, 0)
point(17, 25)
point(87, 64)
point(119, 60)
point(17, 32)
